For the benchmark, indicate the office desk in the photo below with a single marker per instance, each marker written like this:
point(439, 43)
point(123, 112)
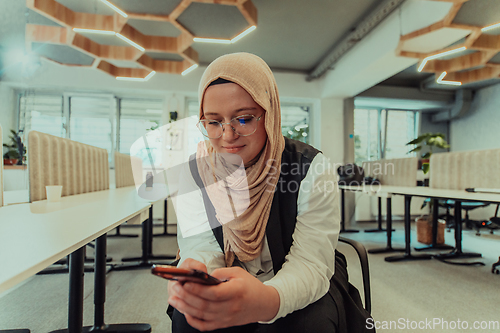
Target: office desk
point(34, 236)
point(458, 196)
point(373, 190)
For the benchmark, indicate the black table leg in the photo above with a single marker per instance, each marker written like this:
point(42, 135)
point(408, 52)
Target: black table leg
point(165, 224)
point(118, 234)
point(342, 213)
point(407, 255)
point(75, 300)
point(389, 230)
point(457, 251)
point(379, 219)
point(144, 261)
point(435, 217)
point(100, 297)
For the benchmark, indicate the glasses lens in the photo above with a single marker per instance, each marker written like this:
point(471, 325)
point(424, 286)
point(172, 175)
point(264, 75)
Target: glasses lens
point(244, 125)
point(210, 128)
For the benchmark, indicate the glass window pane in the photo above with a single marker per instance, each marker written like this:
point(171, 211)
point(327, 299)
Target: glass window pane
point(400, 130)
point(295, 122)
point(137, 117)
point(366, 135)
point(42, 113)
point(91, 121)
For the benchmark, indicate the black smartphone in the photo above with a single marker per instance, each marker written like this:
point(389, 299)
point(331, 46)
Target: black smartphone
point(184, 275)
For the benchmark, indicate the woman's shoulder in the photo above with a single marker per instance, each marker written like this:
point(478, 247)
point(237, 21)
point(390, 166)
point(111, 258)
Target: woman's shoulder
point(298, 147)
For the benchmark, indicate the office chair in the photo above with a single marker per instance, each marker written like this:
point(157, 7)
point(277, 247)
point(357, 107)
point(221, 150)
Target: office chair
point(365, 271)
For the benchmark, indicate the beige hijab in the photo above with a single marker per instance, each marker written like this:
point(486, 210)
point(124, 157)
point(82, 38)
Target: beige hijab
point(244, 234)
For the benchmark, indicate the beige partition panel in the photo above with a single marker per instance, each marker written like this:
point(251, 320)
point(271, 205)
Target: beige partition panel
point(78, 167)
point(1, 170)
point(461, 170)
point(395, 172)
point(127, 169)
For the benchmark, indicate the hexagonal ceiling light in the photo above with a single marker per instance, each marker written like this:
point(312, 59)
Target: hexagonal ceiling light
point(469, 60)
point(113, 41)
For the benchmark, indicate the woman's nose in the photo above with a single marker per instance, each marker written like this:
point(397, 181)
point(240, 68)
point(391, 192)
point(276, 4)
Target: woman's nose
point(228, 133)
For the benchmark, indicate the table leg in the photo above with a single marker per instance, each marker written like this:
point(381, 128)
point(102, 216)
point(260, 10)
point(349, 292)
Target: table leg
point(434, 245)
point(75, 299)
point(407, 255)
point(342, 213)
point(100, 297)
point(118, 234)
point(165, 224)
point(144, 261)
point(389, 231)
point(457, 252)
point(379, 219)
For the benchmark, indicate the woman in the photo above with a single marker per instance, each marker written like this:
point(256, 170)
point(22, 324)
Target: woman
point(277, 253)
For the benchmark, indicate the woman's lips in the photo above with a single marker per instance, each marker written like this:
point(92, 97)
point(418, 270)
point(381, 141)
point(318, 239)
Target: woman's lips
point(233, 149)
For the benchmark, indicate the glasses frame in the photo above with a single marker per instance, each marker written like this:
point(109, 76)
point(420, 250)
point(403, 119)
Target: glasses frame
point(229, 123)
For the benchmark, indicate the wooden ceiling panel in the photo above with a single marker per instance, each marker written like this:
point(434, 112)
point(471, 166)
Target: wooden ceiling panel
point(117, 40)
point(431, 44)
point(434, 40)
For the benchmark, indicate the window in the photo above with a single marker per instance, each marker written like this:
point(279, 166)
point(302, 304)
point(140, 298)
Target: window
point(295, 122)
point(383, 133)
point(137, 117)
point(92, 122)
point(42, 113)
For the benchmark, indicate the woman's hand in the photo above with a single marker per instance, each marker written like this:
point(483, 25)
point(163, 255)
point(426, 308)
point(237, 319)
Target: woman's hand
point(241, 300)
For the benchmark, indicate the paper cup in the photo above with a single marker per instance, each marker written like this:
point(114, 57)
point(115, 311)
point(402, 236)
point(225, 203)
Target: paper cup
point(53, 193)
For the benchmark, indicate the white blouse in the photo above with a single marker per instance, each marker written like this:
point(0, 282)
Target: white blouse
point(305, 275)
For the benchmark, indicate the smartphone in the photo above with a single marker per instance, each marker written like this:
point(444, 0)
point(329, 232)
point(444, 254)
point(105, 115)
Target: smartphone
point(184, 275)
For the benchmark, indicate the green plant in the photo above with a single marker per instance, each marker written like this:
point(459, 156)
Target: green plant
point(16, 149)
point(430, 140)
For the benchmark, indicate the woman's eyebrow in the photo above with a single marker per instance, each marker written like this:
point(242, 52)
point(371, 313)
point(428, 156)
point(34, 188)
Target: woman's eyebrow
point(236, 111)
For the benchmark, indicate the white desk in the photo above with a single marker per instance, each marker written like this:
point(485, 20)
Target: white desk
point(434, 193)
point(33, 236)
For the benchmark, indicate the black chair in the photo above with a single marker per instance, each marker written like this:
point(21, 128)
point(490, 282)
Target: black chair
point(365, 270)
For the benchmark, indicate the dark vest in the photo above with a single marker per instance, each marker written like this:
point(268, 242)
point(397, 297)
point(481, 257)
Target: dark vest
point(295, 162)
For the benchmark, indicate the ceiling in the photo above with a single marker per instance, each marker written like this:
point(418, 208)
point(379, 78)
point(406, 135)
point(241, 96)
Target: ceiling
point(291, 35)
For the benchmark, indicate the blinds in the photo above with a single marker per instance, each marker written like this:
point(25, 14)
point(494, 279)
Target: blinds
point(137, 117)
point(43, 113)
point(92, 121)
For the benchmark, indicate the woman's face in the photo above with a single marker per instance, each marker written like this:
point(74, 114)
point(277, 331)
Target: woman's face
point(223, 102)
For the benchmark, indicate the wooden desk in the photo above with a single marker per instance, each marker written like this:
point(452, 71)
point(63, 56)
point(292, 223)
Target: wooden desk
point(34, 236)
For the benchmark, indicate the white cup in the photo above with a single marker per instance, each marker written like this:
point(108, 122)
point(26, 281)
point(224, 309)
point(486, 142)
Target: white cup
point(53, 193)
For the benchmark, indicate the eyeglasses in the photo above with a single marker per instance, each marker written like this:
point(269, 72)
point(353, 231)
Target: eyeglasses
point(244, 125)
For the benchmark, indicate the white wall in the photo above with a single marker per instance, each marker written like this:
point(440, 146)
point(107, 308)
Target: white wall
point(478, 129)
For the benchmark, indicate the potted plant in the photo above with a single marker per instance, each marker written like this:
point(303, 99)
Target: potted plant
point(16, 151)
point(430, 140)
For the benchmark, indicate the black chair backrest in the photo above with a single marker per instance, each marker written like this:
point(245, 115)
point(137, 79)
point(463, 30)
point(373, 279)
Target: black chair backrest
point(363, 259)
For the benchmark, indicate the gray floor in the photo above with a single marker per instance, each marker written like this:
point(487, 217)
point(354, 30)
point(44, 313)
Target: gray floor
point(401, 292)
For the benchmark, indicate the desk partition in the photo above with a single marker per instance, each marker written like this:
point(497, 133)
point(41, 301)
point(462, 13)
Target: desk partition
point(394, 172)
point(128, 170)
point(461, 170)
point(78, 167)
